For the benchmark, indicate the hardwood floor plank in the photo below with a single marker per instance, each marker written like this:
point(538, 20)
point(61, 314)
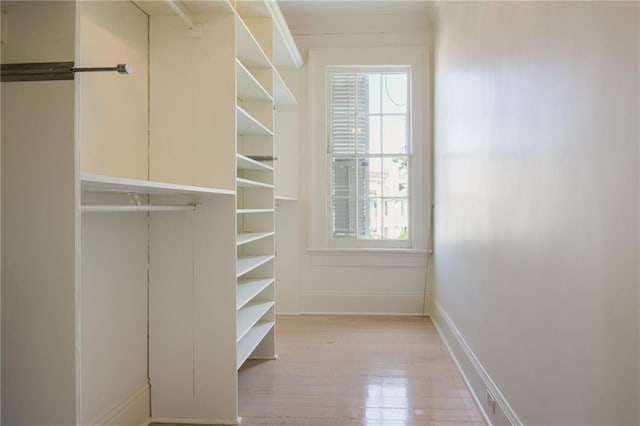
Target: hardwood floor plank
point(356, 370)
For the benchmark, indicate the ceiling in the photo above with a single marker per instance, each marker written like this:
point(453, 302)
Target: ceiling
point(356, 7)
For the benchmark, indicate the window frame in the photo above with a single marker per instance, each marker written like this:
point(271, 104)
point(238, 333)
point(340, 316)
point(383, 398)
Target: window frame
point(349, 242)
point(368, 59)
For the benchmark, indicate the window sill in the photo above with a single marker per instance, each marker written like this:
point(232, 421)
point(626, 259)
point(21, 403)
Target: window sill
point(368, 257)
point(366, 251)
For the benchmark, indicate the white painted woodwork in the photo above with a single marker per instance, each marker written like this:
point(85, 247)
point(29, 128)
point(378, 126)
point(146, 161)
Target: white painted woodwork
point(248, 125)
point(111, 184)
point(248, 88)
point(252, 339)
point(249, 211)
point(246, 163)
point(248, 237)
point(113, 108)
point(537, 202)
point(282, 94)
point(247, 183)
point(192, 293)
point(142, 322)
point(249, 51)
point(39, 224)
point(247, 264)
point(113, 311)
point(249, 315)
point(191, 90)
point(249, 288)
point(191, 7)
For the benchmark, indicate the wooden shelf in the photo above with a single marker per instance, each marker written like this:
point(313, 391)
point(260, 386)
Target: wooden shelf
point(249, 126)
point(247, 183)
point(249, 237)
point(246, 163)
point(248, 88)
point(110, 184)
point(249, 288)
point(282, 198)
point(245, 265)
point(249, 315)
point(248, 50)
point(282, 95)
point(251, 340)
point(252, 211)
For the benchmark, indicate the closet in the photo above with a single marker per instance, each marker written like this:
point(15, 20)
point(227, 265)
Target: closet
point(139, 210)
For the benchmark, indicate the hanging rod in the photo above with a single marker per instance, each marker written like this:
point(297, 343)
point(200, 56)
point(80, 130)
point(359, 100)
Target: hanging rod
point(46, 71)
point(99, 208)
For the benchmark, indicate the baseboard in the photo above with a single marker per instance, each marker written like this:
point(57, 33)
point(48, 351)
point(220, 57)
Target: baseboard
point(132, 411)
point(355, 303)
point(480, 384)
point(185, 421)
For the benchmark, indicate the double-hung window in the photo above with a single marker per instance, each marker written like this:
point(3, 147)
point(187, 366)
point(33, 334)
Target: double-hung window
point(369, 148)
point(368, 122)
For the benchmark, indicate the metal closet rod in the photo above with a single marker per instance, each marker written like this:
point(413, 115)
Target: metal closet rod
point(102, 208)
point(46, 71)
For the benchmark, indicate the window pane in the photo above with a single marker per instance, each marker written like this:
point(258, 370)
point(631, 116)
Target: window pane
point(394, 134)
point(343, 177)
point(344, 217)
point(375, 95)
point(396, 219)
point(394, 93)
point(349, 94)
point(395, 174)
point(375, 135)
point(371, 175)
point(371, 229)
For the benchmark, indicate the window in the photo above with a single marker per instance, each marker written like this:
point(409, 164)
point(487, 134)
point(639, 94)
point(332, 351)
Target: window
point(369, 146)
point(368, 121)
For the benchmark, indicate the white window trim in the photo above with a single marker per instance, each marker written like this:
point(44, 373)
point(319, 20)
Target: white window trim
point(419, 186)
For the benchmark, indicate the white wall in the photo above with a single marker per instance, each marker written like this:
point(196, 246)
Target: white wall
point(333, 282)
point(537, 133)
point(38, 189)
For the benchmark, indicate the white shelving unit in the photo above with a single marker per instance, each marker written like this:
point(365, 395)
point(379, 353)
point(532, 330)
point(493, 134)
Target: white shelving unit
point(254, 185)
point(155, 223)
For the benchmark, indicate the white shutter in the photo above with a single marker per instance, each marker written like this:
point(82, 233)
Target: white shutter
point(349, 136)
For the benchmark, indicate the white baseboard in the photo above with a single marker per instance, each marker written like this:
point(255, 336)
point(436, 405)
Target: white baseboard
point(355, 303)
point(476, 377)
point(180, 420)
point(132, 411)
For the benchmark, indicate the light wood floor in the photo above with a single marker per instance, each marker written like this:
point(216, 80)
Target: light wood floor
point(356, 370)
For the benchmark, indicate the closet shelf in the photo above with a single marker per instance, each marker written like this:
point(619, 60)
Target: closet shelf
point(251, 340)
point(249, 315)
point(248, 288)
point(282, 95)
point(248, 88)
point(245, 265)
point(246, 163)
point(249, 50)
point(249, 126)
point(247, 183)
point(250, 211)
point(196, 7)
point(100, 183)
point(249, 237)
